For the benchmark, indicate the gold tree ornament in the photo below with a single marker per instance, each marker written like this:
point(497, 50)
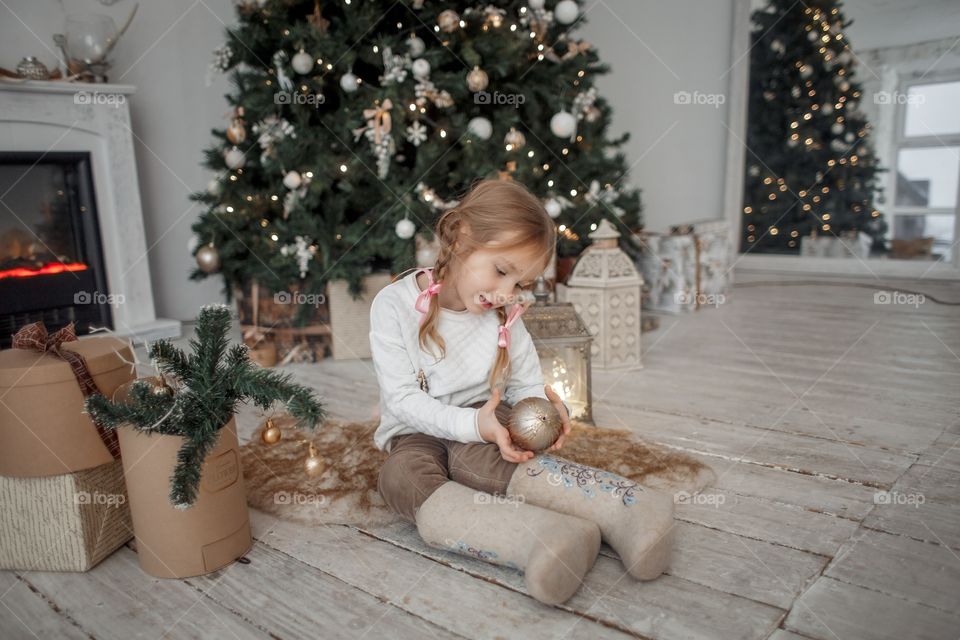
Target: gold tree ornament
point(448, 21)
point(270, 434)
point(535, 424)
point(236, 132)
point(515, 139)
point(161, 388)
point(208, 258)
point(477, 80)
point(314, 465)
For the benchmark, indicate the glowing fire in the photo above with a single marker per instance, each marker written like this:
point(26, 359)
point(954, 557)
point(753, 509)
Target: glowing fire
point(47, 269)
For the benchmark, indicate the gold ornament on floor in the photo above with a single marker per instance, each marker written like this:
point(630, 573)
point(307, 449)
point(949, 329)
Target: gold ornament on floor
point(270, 434)
point(535, 424)
point(477, 80)
point(314, 464)
point(208, 258)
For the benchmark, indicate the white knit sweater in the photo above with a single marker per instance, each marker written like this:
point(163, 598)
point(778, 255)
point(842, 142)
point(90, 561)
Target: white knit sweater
point(453, 382)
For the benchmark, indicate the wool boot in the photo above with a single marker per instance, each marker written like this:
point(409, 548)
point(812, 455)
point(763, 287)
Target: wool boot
point(635, 520)
point(553, 550)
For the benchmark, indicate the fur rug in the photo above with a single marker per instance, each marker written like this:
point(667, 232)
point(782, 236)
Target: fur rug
point(346, 492)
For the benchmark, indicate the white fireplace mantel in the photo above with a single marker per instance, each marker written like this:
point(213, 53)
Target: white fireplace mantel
point(60, 116)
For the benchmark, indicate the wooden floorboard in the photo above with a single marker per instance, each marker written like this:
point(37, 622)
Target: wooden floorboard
point(833, 426)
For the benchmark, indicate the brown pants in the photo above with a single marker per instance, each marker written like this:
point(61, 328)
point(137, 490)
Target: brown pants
point(419, 464)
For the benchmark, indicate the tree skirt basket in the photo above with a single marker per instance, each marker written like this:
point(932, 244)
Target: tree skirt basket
point(346, 492)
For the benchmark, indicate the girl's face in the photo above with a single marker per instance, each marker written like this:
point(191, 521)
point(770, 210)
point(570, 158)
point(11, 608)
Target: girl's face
point(491, 277)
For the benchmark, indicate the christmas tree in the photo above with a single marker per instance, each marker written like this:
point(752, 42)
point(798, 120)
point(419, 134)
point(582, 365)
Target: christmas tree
point(356, 124)
point(810, 166)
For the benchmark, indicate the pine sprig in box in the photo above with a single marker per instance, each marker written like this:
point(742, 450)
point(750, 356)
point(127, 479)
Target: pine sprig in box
point(179, 442)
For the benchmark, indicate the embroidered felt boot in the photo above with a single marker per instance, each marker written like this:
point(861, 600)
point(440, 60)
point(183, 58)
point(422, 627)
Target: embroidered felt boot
point(553, 550)
point(635, 520)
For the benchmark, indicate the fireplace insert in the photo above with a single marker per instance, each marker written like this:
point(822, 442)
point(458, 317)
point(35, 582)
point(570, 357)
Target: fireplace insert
point(51, 257)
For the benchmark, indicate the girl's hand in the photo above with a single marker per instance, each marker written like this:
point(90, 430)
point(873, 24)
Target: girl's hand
point(492, 431)
point(562, 410)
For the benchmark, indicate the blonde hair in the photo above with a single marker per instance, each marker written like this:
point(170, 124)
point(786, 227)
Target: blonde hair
point(492, 211)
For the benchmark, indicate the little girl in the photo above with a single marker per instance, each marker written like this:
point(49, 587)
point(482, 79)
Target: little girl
point(447, 344)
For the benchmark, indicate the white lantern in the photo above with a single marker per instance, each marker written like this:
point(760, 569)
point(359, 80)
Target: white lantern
point(605, 291)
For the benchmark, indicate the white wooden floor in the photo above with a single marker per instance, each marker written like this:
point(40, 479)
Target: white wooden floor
point(807, 400)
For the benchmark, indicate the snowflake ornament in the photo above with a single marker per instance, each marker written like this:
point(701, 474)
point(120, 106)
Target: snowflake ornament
point(394, 67)
point(303, 251)
point(416, 133)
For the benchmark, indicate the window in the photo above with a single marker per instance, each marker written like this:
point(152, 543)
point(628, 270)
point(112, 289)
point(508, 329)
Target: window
point(928, 165)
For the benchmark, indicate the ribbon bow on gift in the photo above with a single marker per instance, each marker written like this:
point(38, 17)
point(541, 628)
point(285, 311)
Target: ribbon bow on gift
point(503, 330)
point(378, 119)
point(423, 300)
point(35, 337)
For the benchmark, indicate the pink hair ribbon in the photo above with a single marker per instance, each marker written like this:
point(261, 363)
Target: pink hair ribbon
point(423, 300)
point(504, 329)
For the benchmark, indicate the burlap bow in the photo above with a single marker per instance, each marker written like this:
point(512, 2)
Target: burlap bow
point(574, 49)
point(378, 119)
point(35, 336)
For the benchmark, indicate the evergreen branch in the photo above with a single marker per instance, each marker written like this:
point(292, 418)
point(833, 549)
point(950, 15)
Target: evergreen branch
point(266, 387)
point(171, 357)
point(185, 482)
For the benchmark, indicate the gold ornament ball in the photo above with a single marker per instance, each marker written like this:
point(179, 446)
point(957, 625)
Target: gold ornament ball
point(236, 133)
point(477, 79)
point(535, 424)
point(208, 259)
point(515, 139)
point(448, 20)
point(270, 434)
point(160, 388)
point(314, 464)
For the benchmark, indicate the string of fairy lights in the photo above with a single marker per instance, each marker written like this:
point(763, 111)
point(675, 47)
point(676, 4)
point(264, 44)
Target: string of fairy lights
point(819, 29)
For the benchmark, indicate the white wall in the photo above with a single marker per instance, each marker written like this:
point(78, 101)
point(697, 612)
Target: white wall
point(165, 54)
point(656, 49)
